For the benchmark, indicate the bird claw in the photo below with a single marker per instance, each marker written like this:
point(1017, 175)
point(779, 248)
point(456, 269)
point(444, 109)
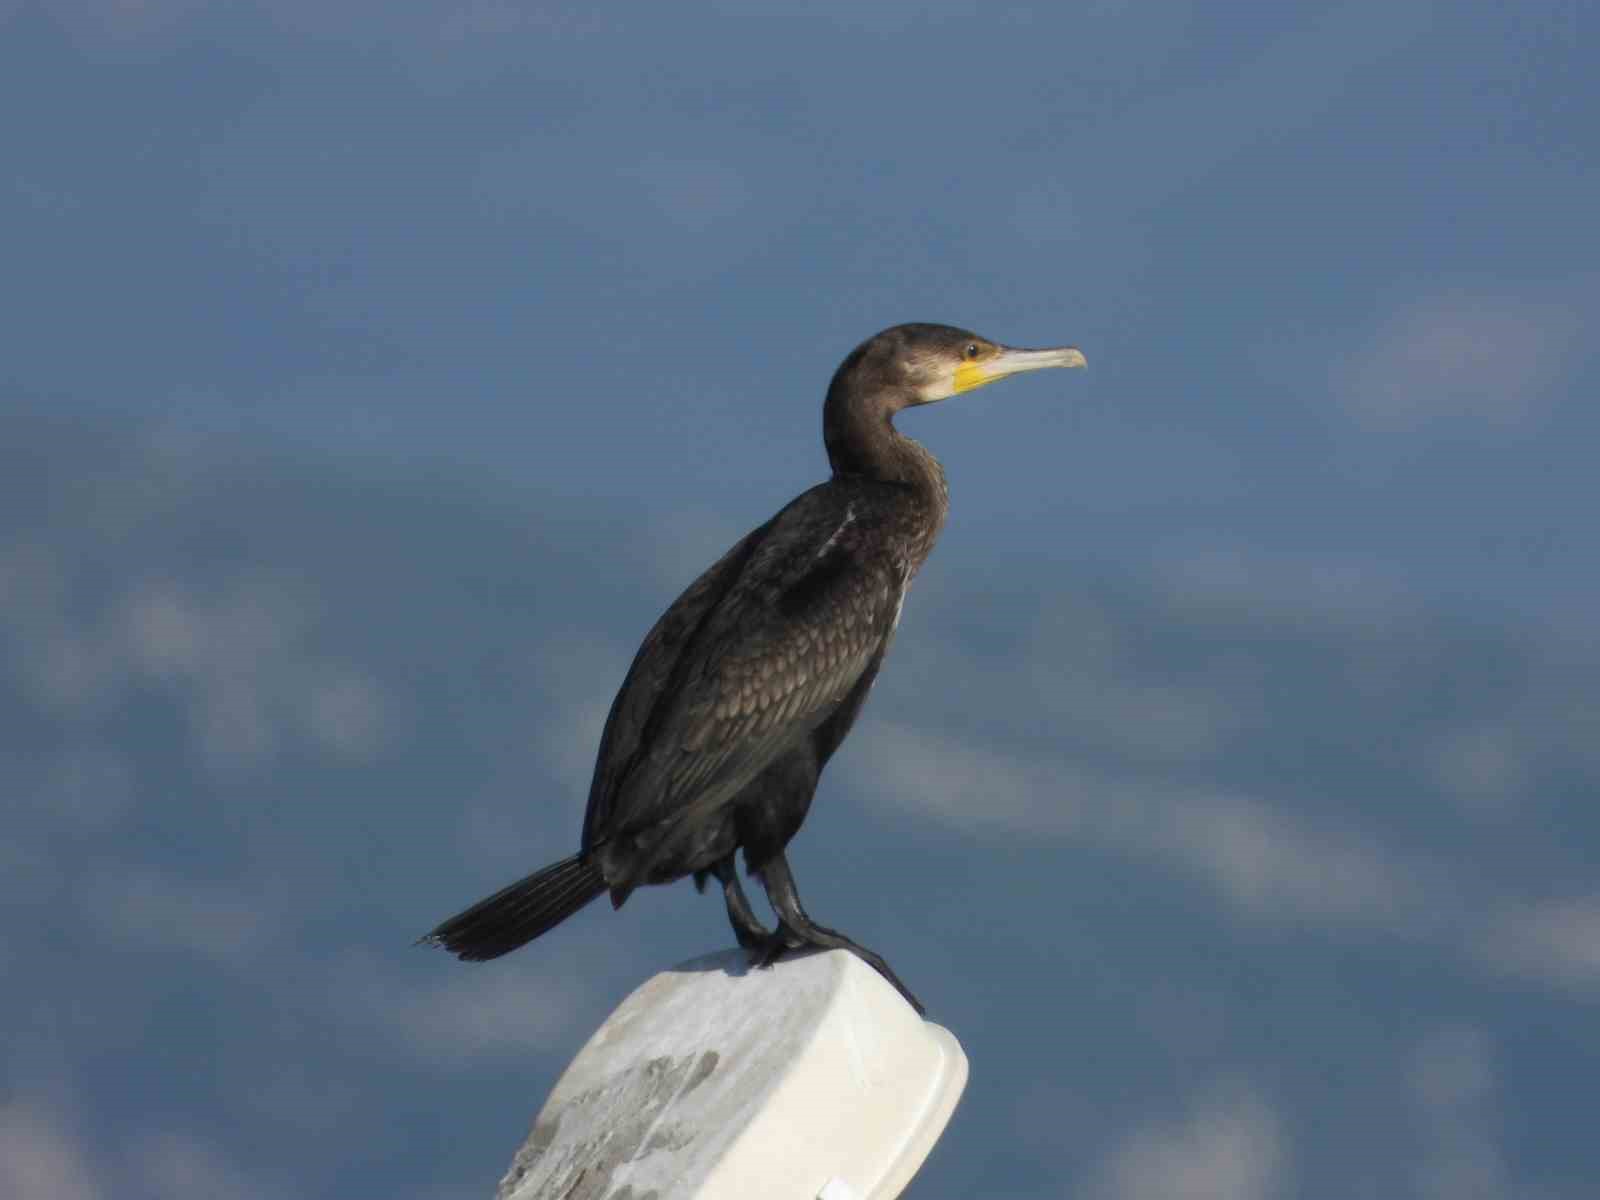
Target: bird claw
point(772, 947)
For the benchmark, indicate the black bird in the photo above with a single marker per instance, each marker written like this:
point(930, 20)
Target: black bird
point(748, 683)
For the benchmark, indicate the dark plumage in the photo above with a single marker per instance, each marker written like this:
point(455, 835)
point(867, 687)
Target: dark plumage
point(750, 680)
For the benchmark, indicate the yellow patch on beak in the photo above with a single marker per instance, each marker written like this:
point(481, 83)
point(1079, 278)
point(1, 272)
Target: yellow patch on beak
point(972, 374)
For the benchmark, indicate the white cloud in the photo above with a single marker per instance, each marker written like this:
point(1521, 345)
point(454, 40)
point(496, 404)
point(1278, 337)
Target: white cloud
point(232, 722)
point(173, 631)
point(345, 710)
point(468, 1010)
point(177, 1166)
point(1269, 866)
point(1555, 941)
point(41, 1159)
point(225, 922)
point(1135, 716)
point(1452, 1083)
point(1313, 593)
point(235, 656)
point(584, 673)
point(503, 822)
point(1461, 356)
point(1230, 1145)
point(1074, 673)
point(1257, 859)
point(1484, 768)
point(1451, 1069)
point(967, 788)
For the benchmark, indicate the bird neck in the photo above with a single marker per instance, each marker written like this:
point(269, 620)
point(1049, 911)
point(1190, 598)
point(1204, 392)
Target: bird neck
point(864, 444)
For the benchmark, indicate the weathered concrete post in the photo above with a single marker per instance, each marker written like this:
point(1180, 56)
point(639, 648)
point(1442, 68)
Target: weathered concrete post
point(811, 1079)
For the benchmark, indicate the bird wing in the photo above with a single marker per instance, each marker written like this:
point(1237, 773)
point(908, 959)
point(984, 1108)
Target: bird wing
point(650, 677)
point(748, 662)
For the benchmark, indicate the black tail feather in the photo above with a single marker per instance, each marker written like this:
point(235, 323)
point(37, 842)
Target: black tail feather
point(517, 914)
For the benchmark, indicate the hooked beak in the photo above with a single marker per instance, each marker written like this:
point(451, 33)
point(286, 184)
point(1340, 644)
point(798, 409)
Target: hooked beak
point(970, 375)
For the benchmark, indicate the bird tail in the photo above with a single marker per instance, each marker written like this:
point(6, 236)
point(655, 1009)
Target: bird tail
point(517, 914)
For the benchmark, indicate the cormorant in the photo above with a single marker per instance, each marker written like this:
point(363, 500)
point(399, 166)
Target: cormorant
point(750, 680)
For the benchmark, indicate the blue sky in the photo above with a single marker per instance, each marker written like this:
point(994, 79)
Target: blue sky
point(375, 373)
point(1337, 257)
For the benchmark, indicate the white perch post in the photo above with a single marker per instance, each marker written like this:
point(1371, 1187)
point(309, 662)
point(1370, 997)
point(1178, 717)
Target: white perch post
point(812, 1079)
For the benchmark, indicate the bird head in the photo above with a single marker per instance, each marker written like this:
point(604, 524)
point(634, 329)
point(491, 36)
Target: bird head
point(924, 363)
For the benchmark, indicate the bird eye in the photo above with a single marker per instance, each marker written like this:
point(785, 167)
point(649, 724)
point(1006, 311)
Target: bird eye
point(971, 352)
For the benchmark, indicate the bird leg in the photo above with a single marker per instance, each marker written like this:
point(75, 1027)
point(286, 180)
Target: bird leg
point(797, 929)
point(747, 927)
